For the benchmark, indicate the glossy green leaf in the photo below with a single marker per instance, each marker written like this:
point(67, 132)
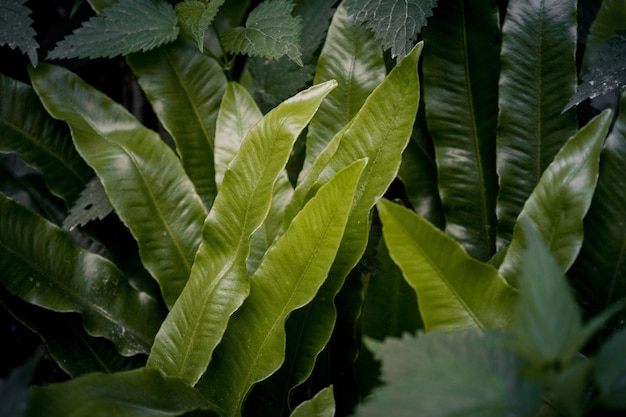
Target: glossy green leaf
point(27, 130)
point(321, 405)
point(125, 27)
point(461, 50)
point(42, 265)
point(219, 280)
point(185, 88)
point(379, 132)
point(144, 180)
point(137, 393)
point(610, 372)
point(600, 270)
point(16, 29)
point(537, 79)
point(288, 278)
point(561, 199)
point(353, 58)
point(454, 290)
point(450, 374)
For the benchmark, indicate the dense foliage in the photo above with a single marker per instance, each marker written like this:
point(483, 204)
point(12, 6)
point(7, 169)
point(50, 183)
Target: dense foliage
point(303, 208)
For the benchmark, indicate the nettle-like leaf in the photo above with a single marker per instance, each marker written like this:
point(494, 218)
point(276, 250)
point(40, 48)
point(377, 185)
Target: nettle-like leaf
point(196, 16)
point(607, 73)
point(92, 204)
point(16, 30)
point(271, 31)
point(396, 23)
point(128, 26)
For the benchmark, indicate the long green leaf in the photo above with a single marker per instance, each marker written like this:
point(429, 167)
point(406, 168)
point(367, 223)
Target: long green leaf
point(28, 130)
point(288, 278)
point(41, 264)
point(454, 290)
point(561, 199)
point(185, 88)
point(601, 267)
point(379, 131)
point(538, 78)
point(219, 280)
point(144, 180)
point(137, 393)
point(461, 47)
point(353, 58)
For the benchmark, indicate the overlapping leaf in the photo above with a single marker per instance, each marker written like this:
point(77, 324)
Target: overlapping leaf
point(125, 27)
point(454, 290)
point(16, 30)
point(537, 79)
point(461, 50)
point(185, 89)
point(27, 130)
point(289, 276)
point(219, 280)
point(195, 17)
point(41, 264)
point(143, 178)
point(561, 199)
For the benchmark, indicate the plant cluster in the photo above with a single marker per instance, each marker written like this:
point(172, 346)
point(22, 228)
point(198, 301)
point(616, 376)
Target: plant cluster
point(317, 208)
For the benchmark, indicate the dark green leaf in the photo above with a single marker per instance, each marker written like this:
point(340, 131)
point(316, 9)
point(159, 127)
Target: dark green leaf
point(561, 199)
point(396, 23)
point(138, 393)
point(461, 52)
point(607, 73)
point(16, 30)
point(195, 17)
point(142, 177)
point(41, 264)
point(610, 372)
point(454, 290)
point(184, 88)
point(450, 374)
point(321, 405)
point(92, 204)
point(537, 79)
point(271, 31)
point(28, 130)
point(125, 27)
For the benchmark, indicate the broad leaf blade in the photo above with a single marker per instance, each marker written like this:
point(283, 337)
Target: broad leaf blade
point(271, 31)
point(125, 27)
point(538, 48)
point(353, 58)
point(288, 278)
point(41, 264)
point(16, 30)
point(40, 141)
point(219, 280)
point(137, 393)
point(184, 88)
point(453, 289)
point(395, 23)
point(461, 45)
point(144, 180)
point(321, 405)
point(561, 199)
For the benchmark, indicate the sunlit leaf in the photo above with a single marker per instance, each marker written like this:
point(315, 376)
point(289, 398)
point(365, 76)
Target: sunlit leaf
point(321, 405)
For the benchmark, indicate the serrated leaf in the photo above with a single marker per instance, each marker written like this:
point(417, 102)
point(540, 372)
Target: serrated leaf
point(395, 22)
point(271, 31)
point(561, 199)
point(16, 30)
point(143, 178)
point(92, 204)
point(288, 278)
point(219, 281)
point(454, 290)
point(136, 393)
point(195, 17)
point(606, 73)
point(450, 374)
point(125, 27)
point(42, 265)
point(321, 405)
